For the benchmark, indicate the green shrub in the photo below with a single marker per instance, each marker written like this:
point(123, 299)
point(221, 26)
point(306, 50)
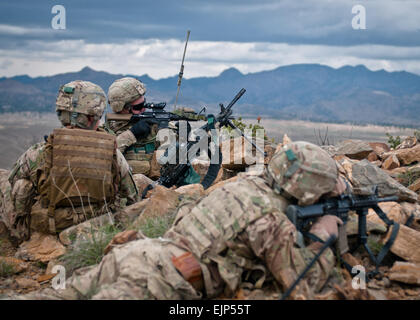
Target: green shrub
point(374, 245)
point(409, 177)
point(89, 250)
point(393, 142)
point(155, 227)
point(417, 134)
point(242, 126)
point(6, 269)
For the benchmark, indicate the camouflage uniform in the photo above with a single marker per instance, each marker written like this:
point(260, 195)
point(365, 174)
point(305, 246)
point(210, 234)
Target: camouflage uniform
point(137, 152)
point(238, 229)
point(21, 208)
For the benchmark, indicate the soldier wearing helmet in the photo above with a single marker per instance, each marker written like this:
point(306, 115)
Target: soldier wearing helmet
point(137, 142)
point(77, 173)
point(238, 236)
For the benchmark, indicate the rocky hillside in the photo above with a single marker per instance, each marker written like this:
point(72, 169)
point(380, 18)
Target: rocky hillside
point(308, 91)
point(395, 171)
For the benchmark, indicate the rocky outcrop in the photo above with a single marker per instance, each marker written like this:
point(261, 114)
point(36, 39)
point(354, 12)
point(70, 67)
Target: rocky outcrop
point(363, 176)
point(354, 149)
point(406, 272)
point(406, 156)
point(41, 247)
point(391, 162)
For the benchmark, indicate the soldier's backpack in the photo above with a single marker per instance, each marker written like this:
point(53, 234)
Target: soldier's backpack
point(78, 171)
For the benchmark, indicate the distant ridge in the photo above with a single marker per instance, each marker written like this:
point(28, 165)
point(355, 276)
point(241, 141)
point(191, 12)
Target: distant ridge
point(302, 91)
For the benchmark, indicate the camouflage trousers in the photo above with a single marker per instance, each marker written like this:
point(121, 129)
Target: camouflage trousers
point(140, 270)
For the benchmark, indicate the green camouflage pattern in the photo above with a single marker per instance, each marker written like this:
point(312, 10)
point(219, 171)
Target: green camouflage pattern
point(138, 270)
point(23, 181)
point(189, 113)
point(302, 170)
point(132, 148)
point(125, 139)
point(240, 226)
point(80, 97)
point(241, 230)
point(123, 91)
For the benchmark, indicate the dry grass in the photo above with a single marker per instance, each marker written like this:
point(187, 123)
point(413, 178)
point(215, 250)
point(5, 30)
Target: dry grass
point(315, 131)
point(18, 131)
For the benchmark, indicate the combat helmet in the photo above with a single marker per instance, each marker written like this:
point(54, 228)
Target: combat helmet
point(123, 91)
point(302, 170)
point(77, 100)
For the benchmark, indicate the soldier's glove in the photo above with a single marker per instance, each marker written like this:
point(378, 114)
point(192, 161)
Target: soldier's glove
point(326, 226)
point(141, 129)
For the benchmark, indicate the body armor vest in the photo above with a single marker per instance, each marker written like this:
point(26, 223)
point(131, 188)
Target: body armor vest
point(80, 170)
point(139, 155)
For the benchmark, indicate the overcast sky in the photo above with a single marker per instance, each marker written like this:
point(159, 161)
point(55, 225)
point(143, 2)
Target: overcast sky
point(147, 37)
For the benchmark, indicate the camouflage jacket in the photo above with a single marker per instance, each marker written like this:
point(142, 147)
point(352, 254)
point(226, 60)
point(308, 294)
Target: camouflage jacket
point(238, 233)
point(24, 176)
point(241, 228)
point(125, 138)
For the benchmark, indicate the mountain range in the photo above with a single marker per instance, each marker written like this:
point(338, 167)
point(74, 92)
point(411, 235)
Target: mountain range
point(302, 91)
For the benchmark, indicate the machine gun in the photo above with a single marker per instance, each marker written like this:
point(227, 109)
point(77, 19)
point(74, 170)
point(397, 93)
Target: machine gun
point(157, 115)
point(340, 206)
point(174, 173)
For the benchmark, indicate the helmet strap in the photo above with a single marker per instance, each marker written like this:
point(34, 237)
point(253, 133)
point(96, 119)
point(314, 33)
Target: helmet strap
point(73, 119)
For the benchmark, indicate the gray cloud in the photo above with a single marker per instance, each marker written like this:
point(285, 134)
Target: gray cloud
point(389, 22)
point(161, 58)
point(147, 36)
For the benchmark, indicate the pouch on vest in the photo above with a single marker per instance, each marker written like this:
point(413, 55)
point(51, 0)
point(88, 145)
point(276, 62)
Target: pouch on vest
point(192, 177)
point(81, 170)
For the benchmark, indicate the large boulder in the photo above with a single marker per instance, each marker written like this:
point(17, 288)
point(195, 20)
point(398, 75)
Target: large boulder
point(16, 265)
point(406, 156)
point(141, 181)
point(379, 148)
point(84, 229)
point(408, 142)
point(238, 153)
point(161, 202)
point(393, 210)
point(354, 149)
point(40, 247)
point(363, 176)
point(406, 272)
point(391, 162)
point(415, 186)
point(406, 244)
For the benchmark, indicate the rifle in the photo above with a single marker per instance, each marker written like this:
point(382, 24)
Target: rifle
point(175, 174)
point(158, 115)
point(340, 206)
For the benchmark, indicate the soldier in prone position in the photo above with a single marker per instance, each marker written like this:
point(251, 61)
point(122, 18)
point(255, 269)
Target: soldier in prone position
point(76, 174)
point(238, 229)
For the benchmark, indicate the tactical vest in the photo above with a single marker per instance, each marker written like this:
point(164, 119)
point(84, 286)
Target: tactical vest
point(210, 228)
point(139, 155)
point(79, 171)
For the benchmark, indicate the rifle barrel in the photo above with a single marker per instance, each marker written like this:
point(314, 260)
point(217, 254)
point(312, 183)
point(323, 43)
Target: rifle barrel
point(237, 97)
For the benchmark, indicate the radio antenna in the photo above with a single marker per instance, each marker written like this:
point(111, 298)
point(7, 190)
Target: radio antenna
point(181, 72)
